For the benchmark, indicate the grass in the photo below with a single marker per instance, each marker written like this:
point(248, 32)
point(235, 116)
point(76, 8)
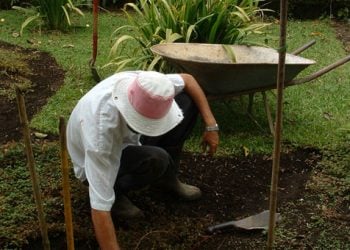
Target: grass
point(72, 51)
point(18, 211)
point(316, 114)
point(13, 63)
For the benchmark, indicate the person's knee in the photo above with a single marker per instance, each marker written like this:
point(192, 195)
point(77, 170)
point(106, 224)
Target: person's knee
point(158, 161)
point(152, 165)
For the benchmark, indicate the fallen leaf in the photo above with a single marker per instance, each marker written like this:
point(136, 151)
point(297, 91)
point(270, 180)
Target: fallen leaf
point(33, 41)
point(245, 151)
point(68, 46)
point(316, 33)
point(327, 116)
point(40, 135)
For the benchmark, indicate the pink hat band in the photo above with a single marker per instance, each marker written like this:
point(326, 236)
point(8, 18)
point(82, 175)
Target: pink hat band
point(148, 104)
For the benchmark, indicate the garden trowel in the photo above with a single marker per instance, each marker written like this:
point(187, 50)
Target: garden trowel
point(255, 222)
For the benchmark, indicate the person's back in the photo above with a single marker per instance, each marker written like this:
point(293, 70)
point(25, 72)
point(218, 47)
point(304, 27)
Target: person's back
point(82, 134)
point(103, 140)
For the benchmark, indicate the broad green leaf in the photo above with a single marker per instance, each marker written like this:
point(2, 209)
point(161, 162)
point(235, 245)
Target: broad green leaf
point(189, 32)
point(67, 15)
point(169, 11)
point(72, 6)
point(28, 21)
point(171, 37)
point(242, 14)
point(230, 52)
point(154, 62)
point(116, 45)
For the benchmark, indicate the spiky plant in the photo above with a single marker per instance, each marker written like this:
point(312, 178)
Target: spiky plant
point(158, 21)
point(54, 14)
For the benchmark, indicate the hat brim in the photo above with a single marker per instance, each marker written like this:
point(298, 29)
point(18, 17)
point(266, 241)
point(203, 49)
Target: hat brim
point(138, 122)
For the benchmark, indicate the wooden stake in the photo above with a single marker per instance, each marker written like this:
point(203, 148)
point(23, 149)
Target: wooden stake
point(31, 166)
point(278, 127)
point(94, 72)
point(65, 185)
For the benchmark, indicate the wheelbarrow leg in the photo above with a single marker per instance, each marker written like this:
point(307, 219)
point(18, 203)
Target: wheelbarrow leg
point(250, 103)
point(268, 113)
point(267, 110)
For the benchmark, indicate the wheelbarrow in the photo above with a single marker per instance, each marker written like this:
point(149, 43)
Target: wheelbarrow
point(225, 71)
point(229, 70)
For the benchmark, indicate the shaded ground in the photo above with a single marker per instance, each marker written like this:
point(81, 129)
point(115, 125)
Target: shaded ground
point(46, 77)
point(233, 188)
point(342, 30)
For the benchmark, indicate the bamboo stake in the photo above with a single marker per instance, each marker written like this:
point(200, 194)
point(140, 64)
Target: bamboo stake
point(65, 185)
point(95, 30)
point(278, 126)
point(31, 166)
point(94, 72)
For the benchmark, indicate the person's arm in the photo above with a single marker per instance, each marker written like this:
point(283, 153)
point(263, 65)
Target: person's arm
point(210, 138)
point(104, 230)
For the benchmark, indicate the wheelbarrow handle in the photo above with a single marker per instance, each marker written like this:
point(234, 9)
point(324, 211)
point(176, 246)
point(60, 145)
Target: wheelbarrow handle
point(304, 47)
point(320, 72)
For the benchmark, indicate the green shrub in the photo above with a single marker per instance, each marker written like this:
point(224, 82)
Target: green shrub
point(311, 9)
point(7, 4)
point(158, 21)
point(54, 14)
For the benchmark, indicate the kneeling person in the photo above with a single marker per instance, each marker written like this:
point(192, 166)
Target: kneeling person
point(127, 133)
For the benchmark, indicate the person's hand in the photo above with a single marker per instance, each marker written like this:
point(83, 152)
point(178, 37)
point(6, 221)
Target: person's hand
point(210, 142)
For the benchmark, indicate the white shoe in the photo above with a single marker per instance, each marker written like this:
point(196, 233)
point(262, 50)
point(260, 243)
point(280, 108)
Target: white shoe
point(183, 190)
point(186, 191)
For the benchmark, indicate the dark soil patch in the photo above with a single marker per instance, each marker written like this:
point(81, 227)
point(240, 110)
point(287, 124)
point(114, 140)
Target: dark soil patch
point(46, 77)
point(342, 29)
point(232, 187)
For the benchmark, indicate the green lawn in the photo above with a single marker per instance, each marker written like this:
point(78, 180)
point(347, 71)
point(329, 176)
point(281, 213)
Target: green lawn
point(314, 113)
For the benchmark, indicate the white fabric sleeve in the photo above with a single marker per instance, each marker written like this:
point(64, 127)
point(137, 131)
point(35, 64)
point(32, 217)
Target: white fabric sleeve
point(178, 82)
point(101, 174)
point(103, 149)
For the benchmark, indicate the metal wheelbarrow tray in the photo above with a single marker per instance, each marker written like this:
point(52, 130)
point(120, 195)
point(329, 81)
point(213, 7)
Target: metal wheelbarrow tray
point(253, 69)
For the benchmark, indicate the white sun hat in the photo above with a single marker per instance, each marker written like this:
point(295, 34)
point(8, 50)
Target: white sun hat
point(147, 103)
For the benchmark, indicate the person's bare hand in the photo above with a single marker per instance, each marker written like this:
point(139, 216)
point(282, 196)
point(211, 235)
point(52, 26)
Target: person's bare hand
point(210, 142)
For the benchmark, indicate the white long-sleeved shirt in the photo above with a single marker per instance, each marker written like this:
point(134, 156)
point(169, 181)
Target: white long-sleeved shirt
point(96, 136)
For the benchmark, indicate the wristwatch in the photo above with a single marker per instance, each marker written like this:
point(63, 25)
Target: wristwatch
point(212, 128)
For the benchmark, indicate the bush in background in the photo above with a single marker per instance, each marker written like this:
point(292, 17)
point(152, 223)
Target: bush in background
point(311, 9)
point(158, 21)
point(54, 14)
point(7, 4)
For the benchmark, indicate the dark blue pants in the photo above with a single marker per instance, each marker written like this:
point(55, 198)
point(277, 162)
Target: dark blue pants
point(158, 157)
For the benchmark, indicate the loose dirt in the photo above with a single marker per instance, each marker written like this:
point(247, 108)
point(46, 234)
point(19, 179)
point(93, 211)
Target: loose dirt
point(46, 77)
